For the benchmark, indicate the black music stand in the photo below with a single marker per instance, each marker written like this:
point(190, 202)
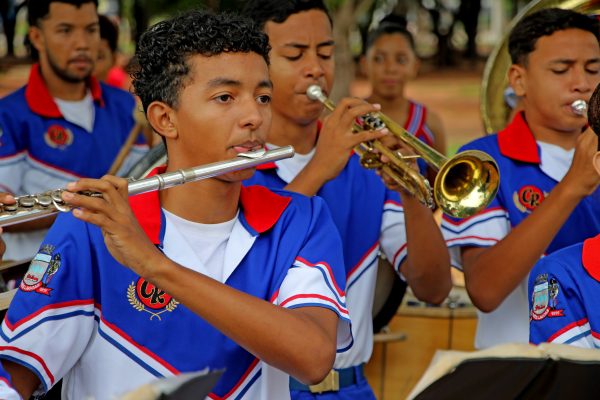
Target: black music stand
point(523, 372)
point(187, 386)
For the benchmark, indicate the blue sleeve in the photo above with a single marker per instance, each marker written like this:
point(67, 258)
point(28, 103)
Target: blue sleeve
point(556, 307)
point(51, 318)
point(317, 277)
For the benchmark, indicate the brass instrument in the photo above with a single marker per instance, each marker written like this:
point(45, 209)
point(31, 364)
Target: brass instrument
point(464, 185)
point(31, 207)
point(494, 110)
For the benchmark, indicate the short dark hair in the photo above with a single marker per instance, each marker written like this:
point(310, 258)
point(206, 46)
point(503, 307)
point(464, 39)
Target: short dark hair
point(594, 113)
point(109, 32)
point(161, 69)
point(525, 34)
point(391, 24)
point(39, 9)
point(263, 11)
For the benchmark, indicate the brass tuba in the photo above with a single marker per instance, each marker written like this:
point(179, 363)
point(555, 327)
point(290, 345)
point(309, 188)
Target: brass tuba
point(494, 110)
point(464, 185)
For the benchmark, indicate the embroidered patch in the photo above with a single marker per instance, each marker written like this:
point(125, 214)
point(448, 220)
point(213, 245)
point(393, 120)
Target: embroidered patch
point(144, 296)
point(41, 270)
point(545, 298)
point(528, 198)
point(58, 137)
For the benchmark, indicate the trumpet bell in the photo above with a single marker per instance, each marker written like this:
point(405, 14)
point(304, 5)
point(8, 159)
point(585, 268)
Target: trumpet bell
point(466, 183)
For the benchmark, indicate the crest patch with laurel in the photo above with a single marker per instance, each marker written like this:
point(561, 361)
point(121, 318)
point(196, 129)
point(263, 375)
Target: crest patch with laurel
point(145, 297)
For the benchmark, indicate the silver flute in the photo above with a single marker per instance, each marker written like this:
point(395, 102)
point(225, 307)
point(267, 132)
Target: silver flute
point(31, 207)
point(579, 107)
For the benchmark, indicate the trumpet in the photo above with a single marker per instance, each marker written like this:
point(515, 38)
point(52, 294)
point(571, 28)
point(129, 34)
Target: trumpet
point(464, 185)
point(31, 207)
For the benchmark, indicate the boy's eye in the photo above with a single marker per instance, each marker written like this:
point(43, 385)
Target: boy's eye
point(294, 58)
point(264, 99)
point(224, 98)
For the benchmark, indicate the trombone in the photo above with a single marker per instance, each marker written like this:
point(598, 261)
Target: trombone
point(464, 185)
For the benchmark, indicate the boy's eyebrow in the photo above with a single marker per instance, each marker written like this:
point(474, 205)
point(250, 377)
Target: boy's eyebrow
point(267, 83)
point(305, 46)
point(571, 61)
point(216, 82)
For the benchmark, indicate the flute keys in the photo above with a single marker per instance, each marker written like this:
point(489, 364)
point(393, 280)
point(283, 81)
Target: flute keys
point(26, 201)
point(44, 201)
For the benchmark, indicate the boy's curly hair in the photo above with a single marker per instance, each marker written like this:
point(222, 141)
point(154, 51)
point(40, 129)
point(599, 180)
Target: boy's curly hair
point(162, 69)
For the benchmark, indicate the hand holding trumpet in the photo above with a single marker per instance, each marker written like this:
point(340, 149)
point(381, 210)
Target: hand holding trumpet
point(337, 140)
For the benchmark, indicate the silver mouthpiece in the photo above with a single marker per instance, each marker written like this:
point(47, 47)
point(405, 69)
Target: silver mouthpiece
point(314, 92)
point(579, 107)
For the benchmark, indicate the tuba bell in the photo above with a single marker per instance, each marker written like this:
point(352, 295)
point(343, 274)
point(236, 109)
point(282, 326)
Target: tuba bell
point(464, 185)
point(494, 110)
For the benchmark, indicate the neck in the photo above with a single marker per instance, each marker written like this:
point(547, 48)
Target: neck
point(209, 201)
point(61, 89)
point(284, 132)
point(566, 139)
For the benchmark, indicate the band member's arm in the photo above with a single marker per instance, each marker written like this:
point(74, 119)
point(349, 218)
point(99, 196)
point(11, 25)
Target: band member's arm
point(334, 146)
point(301, 341)
point(23, 379)
point(426, 266)
point(509, 261)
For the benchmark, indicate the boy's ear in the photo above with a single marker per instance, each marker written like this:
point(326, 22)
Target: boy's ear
point(36, 38)
point(517, 78)
point(163, 119)
point(596, 162)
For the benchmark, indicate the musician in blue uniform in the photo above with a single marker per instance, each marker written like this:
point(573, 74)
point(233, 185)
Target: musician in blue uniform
point(369, 217)
point(543, 203)
point(203, 275)
point(564, 286)
point(63, 124)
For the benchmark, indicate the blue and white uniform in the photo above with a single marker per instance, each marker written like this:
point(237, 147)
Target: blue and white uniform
point(82, 316)
point(7, 392)
point(42, 149)
point(369, 218)
point(529, 170)
point(563, 296)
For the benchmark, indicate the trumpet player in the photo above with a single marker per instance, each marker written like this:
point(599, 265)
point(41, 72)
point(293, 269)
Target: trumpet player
point(564, 286)
point(545, 156)
point(369, 217)
point(202, 275)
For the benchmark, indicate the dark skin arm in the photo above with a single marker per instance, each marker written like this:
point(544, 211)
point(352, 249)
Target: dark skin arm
point(484, 265)
point(427, 264)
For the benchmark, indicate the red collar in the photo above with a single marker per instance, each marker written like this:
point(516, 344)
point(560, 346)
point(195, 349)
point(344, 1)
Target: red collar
point(590, 257)
point(272, 165)
point(41, 101)
point(516, 141)
point(261, 209)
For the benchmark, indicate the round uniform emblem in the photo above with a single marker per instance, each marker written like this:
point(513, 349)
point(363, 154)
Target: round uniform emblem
point(529, 197)
point(58, 137)
point(146, 297)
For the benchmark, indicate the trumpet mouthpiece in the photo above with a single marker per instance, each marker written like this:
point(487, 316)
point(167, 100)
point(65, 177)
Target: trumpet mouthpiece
point(579, 107)
point(314, 92)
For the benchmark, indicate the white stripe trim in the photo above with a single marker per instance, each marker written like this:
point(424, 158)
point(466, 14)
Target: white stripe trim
point(48, 313)
point(32, 362)
point(368, 259)
point(573, 332)
point(126, 344)
point(50, 170)
point(467, 223)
